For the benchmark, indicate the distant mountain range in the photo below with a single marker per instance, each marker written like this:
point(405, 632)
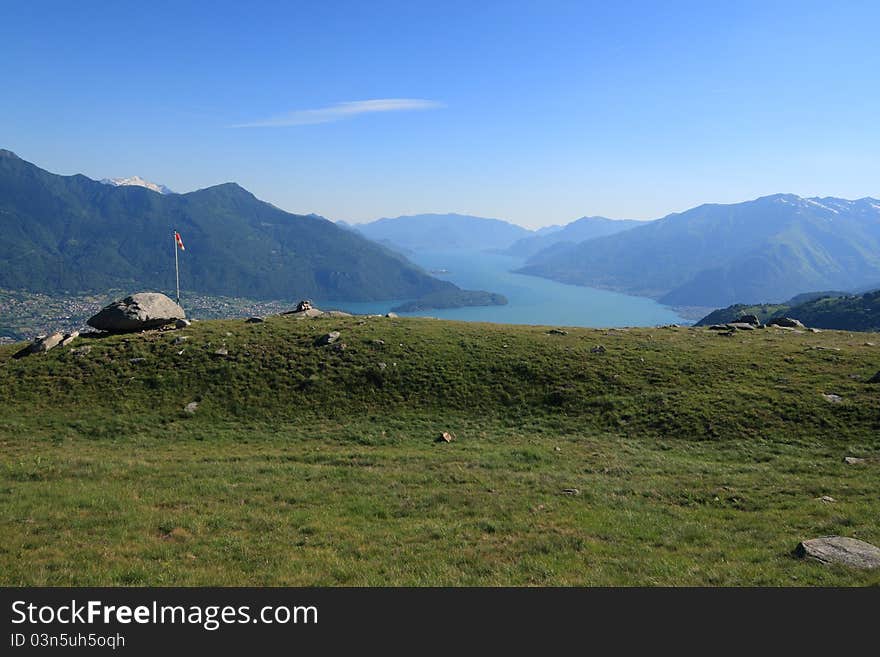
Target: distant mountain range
point(137, 181)
point(73, 234)
point(828, 310)
point(439, 232)
point(579, 230)
point(770, 248)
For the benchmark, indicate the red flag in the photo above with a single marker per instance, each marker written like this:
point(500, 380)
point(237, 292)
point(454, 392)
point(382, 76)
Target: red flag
point(179, 241)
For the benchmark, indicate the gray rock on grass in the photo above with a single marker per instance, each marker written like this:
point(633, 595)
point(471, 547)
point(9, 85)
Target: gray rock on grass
point(145, 310)
point(41, 345)
point(752, 320)
point(327, 338)
point(785, 322)
point(68, 338)
point(841, 550)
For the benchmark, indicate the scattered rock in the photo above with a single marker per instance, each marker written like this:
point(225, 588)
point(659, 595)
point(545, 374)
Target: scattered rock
point(869, 344)
point(785, 322)
point(718, 327)
point(598, 349)
point(191, 408)
point(751, 320)
point(81, 351)
point(300, 314)
point(339, 346)
point(44, 344)
point(180, 339)
point(814, 330)
point(144, 310)
point(381, 366)
point(135, 361)
point(557, 332)
point(182, 323)
point(303, 305)
point(254, 320)
point(571, 491)
point(833, 399)
point(827, 499)
point(336, 313)
point(445, 437)
point(841, 550)
point(222, 352)
point(741, 326)
point(69, 337)
point(392, 315)
point(327, 338)
point(40, 345)
point(875, 378)
point(378, 343)
point(852, 460)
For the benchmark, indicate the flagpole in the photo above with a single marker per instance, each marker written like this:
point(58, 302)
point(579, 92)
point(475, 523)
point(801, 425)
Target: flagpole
point(176, 267)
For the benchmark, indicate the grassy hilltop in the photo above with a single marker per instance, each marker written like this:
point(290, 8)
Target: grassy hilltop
point(696, 458)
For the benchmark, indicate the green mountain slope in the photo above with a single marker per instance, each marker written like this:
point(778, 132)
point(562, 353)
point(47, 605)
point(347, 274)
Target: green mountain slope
point(826, 310)
point(713, 255)
point(73, 234)
point(308, 465)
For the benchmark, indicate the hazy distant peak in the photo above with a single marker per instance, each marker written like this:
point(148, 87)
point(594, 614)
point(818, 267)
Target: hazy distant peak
point(435, 231)
point(9, 154)
point(136, 181)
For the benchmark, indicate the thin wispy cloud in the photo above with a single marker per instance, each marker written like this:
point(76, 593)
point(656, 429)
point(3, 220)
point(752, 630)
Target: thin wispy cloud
point(342, 111)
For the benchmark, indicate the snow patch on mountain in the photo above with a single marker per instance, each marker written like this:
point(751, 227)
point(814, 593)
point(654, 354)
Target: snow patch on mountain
point(136, 181)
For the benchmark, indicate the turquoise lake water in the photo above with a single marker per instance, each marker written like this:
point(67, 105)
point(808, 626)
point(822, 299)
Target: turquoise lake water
point(531, 300)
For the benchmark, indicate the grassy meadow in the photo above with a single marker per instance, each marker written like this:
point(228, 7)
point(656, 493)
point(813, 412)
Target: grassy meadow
point(670, 456)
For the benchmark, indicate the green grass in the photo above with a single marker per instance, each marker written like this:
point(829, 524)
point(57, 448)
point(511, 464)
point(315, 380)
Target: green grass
point(699, 458)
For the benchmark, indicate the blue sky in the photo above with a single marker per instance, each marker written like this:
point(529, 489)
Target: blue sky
point(536, 112)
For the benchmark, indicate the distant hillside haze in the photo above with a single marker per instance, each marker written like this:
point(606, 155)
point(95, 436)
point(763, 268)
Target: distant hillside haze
point(546, 230)
point(580, 230)
point(74, 234)
point(439, 232)
point(768, 249)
